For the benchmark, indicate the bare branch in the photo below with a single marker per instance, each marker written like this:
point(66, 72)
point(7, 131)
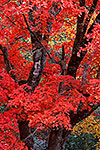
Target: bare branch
point(63, 69)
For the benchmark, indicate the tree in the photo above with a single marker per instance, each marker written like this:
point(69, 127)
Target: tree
point(88, 127)
point(61, 86)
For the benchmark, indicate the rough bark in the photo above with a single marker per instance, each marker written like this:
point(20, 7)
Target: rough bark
point(37, 69)
point(57, 139)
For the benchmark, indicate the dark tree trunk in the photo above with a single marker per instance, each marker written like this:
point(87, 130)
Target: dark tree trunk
point(25, 132)
point(57, 139)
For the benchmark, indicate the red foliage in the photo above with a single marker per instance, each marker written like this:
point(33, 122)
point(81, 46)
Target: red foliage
point(45, 107)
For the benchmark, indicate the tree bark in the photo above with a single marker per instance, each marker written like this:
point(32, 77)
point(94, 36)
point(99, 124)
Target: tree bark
point(25, 132)
point(57, 139)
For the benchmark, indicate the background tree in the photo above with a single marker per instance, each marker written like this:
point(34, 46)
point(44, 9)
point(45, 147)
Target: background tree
point(47, 93)
point(89, 132)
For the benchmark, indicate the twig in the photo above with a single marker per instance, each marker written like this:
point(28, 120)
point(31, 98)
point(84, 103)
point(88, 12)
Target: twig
point(30, 135)
point(10, 20)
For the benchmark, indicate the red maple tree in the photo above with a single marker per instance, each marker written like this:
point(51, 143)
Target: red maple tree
point(60, 87)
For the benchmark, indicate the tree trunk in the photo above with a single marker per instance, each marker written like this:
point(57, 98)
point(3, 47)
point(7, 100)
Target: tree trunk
point(25, 132)
point(57, 139)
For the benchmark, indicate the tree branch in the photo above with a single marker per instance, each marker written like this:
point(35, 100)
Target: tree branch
point(63, 53)
point(6, 59)
point(9, 66)
point(39, 58)
point(80, 42)
point(25, 131)
point(33, 34)
point(10, 20)
point(37, 69)
point(80, 115)
point(75, 60)
point(91, 11)
point(30, 135)
point(62, 62)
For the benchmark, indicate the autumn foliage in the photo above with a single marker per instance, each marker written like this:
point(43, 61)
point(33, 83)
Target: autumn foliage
point(49, 65)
